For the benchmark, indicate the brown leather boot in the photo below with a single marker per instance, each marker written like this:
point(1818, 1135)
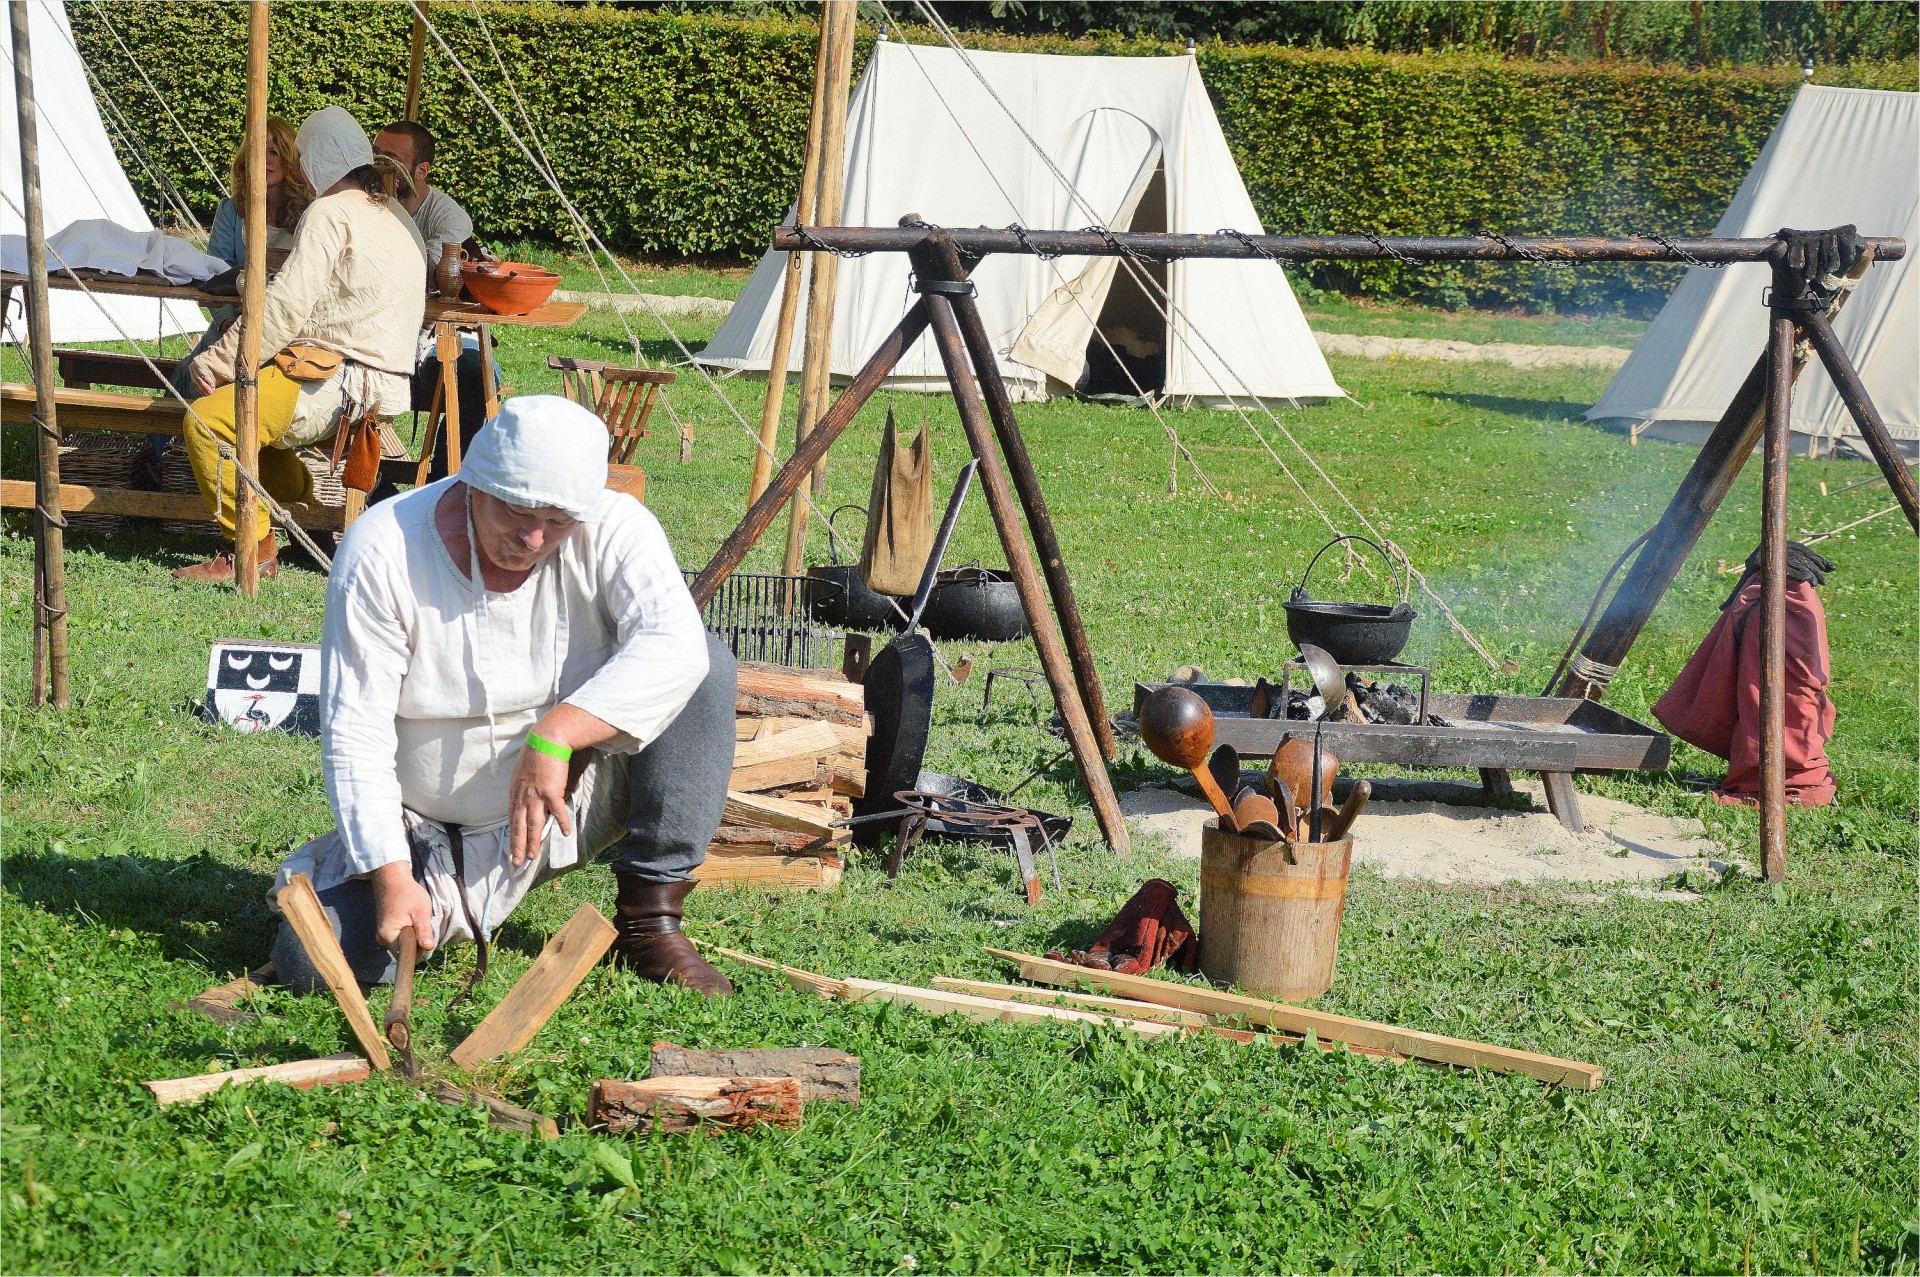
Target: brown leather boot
point(647, 915)
point(220, 566)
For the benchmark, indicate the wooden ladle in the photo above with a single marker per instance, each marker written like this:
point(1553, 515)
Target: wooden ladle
point(1292, 766)
point(1178, 727)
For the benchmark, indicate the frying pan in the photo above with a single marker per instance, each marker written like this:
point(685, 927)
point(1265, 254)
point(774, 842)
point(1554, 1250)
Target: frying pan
point(899, 693)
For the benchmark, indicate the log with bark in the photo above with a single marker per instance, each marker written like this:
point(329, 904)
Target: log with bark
point(680, 1104)
point(823, 1073)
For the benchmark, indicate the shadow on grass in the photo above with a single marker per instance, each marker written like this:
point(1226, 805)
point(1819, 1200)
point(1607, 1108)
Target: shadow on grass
point(202, 910)
point(1507, 405)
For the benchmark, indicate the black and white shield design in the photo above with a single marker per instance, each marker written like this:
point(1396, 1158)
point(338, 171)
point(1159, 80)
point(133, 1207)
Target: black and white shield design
point(254, 686)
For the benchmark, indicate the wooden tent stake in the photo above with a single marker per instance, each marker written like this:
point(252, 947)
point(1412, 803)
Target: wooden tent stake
point(253, 306)
point(50, 675)
point(790, 280)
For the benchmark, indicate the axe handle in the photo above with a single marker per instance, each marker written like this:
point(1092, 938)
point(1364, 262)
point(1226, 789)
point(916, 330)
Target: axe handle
point(398, 1010)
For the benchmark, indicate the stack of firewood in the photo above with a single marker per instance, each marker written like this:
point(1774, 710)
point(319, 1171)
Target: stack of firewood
point(798, 764)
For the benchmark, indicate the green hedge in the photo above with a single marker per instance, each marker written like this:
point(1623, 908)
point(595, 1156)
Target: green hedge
point(680, 132)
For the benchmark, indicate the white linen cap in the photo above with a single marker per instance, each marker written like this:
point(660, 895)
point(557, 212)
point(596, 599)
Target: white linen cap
point(541, 450)
point(332, 144)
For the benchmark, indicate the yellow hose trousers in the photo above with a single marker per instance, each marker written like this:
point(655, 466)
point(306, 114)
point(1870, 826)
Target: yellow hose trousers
point(280, 471)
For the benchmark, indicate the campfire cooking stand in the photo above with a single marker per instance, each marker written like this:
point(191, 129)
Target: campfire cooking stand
point(942, 259)
point(964, 816)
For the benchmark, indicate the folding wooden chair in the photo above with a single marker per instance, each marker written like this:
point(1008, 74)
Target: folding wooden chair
point(622, 397)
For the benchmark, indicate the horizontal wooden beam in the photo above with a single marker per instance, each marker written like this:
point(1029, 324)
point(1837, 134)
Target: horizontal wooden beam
point(17, 494)
point(108, 411)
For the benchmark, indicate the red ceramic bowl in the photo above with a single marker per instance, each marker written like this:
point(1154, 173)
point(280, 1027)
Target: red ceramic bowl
point(508, 288)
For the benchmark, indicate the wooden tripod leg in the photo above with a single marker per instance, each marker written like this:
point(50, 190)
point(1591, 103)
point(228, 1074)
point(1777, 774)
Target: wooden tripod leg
point(1873, 429)
point(800, 464)
point(1013, 541)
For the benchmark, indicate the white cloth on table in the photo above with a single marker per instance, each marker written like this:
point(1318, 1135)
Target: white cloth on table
point(429, 682)
point(98, 244)
point(356, 283)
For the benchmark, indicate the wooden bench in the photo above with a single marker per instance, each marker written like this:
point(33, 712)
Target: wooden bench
point(108, 410)
point(84, 369)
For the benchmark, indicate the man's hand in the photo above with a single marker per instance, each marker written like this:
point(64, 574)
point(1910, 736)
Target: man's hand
point(202, 377)
point(398, 903)
point(538, 790)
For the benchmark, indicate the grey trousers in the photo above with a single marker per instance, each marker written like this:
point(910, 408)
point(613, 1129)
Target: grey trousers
point(677, 793)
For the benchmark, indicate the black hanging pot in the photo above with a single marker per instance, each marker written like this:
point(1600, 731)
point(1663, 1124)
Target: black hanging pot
point(837, 597)
point(976, 603)
point(1351, 633)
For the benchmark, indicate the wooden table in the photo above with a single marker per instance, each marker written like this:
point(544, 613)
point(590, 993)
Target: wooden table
point(448, 320)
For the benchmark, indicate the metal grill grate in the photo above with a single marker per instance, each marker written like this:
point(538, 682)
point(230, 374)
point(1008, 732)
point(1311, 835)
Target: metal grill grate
point(762, 616)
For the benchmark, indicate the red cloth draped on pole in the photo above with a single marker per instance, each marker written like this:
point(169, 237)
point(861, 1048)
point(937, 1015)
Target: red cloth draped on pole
point(1715, 703)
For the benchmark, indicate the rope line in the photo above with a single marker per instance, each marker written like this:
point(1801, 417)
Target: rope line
point(101, 13)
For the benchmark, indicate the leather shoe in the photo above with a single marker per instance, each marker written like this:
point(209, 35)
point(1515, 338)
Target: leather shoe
point(220, 567)
point(647, 916)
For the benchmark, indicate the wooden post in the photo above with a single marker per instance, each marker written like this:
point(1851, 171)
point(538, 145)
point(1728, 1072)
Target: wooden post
point(1693, 506)
point(253, 305)
point(790, 283)
point(416, 60)
point(1773, 582)
point(816, 368)
point(50, 680)
point(1853, 392)
point(800, 464)
point(1013, 542)
point(1033, 500)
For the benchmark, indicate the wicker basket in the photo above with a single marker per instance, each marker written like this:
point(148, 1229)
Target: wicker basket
point(176, 475)
point(99, 460)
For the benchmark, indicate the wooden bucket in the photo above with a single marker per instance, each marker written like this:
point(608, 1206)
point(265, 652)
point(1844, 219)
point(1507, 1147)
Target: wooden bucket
point(1270, 912)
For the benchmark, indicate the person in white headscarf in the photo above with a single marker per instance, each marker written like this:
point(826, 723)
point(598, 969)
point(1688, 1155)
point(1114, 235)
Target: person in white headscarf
point(354, 285)
point(514, 678)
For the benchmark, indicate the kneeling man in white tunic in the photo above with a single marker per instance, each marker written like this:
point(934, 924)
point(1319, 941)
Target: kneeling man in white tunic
point(515, 679)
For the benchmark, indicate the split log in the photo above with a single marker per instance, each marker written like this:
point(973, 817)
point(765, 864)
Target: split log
point(823, 1073)
point(221, 1004)
point(531, 1002)
point(846, 777)
point(300, 1074)
point(777, 813)
point(758, 840)
point(771, 872)
point(308, 918)
point(784, 757)
point(771, 692)
point(1289, 1018)
point(501, 1116)
point(680, 1104)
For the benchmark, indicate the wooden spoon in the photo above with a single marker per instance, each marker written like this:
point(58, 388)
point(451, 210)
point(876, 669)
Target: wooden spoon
point(1349, 810)
point(1293, 766)
point(1178, 727)
point(1224, 764)
point(1254, 807)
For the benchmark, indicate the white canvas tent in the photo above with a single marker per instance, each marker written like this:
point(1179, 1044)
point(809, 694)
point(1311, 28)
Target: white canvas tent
point(1138, 139)
point(80, 179)
point(1838, 156)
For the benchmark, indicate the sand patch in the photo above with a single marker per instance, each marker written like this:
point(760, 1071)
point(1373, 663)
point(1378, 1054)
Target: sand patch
point(1404, 833)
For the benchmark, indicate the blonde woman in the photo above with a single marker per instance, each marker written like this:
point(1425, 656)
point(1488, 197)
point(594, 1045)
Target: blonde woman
point(288, 194)
point(354, 288)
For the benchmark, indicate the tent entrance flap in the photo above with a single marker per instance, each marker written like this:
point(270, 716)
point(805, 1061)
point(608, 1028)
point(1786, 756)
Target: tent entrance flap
point(1132, 359)
point(1101, 146)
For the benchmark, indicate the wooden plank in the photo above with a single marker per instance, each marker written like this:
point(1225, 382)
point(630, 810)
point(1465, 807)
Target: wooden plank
point(758, 840)
point(970, 1007)
point(776, 774)
point(300, 1074)
point(811, 740)
point(1303, 1020)
point(531, 1002)
point(501, 1116)
point(846, 778)
point(770, 872)
point(823, 1073)
point(17, 494)
point(804, 981)
point(308, 918)
point(677, 1105)
point(777, 813)
point(1079, 1001)
point(221, 1004)
point(112, 411)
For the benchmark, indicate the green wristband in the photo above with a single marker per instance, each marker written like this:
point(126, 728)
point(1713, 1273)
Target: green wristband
point(547, 747)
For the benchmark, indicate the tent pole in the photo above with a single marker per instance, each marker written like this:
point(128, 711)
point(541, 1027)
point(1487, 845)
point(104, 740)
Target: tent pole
point(1013, 541)
point(416, 61)
point(1773, 578)
point(811, 449)
point(253, 304)
point(1033, 499)
point(790, 283)
point(50, 673)
point(817, 362)
point(1853, 392)
point(1687, 515)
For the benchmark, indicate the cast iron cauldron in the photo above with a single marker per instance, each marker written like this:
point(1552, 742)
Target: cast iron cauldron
point(838, 597)
point(976, 603)
point(1351, 633)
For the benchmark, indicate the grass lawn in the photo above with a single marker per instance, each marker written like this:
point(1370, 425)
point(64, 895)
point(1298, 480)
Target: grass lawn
point(1760, 1043)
